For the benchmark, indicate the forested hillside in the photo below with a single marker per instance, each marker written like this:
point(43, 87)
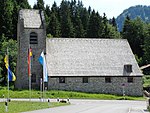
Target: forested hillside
point(70, 20)
point(133, 12)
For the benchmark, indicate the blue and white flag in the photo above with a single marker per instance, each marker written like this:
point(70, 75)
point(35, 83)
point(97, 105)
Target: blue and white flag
point(11, 75)
point(42, 61)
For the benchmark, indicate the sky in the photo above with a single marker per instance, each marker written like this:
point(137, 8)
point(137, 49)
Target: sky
point(112, 8)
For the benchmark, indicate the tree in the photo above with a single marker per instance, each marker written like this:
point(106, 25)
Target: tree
point(56, 10)
point(105, 31)
point(113, 23)
point(85, 20)
point(147, 45)
point(89, 10)
point(94, 26)
point(126, 25)
point(47, 10)
point(9, 16)
point(2, 39)
point(39, 5)
point(5, 17)
point(15, 19)
point(112, 33)
point(2, 17)
point(133, 31)
point(54, 26)
point(12, 49)
point(79, 31)
point(23, 4)
point(67, 29)
point(76, 9)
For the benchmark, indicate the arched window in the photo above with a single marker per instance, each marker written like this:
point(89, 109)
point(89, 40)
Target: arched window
point(33, 38)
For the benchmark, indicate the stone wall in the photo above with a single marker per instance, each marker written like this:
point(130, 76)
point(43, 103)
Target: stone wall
point(98, 85)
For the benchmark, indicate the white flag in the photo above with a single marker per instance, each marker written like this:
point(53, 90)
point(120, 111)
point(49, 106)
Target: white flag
point(42, 61)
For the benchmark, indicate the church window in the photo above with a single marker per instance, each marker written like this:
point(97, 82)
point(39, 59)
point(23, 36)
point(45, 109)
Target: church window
point(107, 79)
point(61, 79)
point(33, 38)
point(85, 80)
point(130, 79)
point(128, 68)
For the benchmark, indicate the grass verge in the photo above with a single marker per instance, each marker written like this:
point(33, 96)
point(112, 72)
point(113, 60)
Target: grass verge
point(22, 106)
point(64, 94)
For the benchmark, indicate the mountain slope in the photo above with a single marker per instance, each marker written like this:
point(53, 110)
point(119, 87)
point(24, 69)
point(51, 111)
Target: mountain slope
point(136, 11)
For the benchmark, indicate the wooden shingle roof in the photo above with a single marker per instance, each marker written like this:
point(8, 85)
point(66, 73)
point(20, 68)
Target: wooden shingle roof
point(89, 57)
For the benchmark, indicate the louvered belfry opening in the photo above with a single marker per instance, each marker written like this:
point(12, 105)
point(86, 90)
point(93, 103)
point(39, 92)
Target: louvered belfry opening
point(33, 38)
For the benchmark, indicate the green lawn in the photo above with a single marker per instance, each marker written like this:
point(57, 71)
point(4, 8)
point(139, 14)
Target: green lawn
point(63, 94)
point(19, 106)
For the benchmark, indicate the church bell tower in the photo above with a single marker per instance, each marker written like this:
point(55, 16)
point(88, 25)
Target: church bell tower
point(31, 33)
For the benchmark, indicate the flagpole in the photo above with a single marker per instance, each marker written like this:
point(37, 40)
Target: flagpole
point(29, 73)
point(43, 83)
point(8, 74)
point(43, 62)
point(30, 86)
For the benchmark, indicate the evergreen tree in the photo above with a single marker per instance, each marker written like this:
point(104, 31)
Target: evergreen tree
point(35, 6)
point(105, 31)
point(94, 26)
point(47, 10)
point(67, 29)
point(73, 11)
point(23, 4)
point(80, 33)
point(15, 19)
point(133, 31)
point(89, 10)
point(76, 9)
point(9, 16)
point(147, 45)
point(39, 5)
point(85, 20)
point(53, 27)
point(112, 32)
point(2, 17)
point(6, 17)
point(126, 24)
point(47, 14)
point(55, 9)
point(113, 23)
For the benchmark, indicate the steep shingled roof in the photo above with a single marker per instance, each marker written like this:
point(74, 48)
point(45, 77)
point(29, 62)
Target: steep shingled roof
point(89, 57)
point(32, 18)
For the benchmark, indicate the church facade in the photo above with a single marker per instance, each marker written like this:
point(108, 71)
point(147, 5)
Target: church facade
point(75, 64)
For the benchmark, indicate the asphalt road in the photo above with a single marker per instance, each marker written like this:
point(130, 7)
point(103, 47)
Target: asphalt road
point(98, 106)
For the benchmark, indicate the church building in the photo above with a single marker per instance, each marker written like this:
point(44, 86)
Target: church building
point(75, 64)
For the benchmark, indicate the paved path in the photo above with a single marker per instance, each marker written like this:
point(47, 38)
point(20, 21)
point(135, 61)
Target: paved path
point(98, 106)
